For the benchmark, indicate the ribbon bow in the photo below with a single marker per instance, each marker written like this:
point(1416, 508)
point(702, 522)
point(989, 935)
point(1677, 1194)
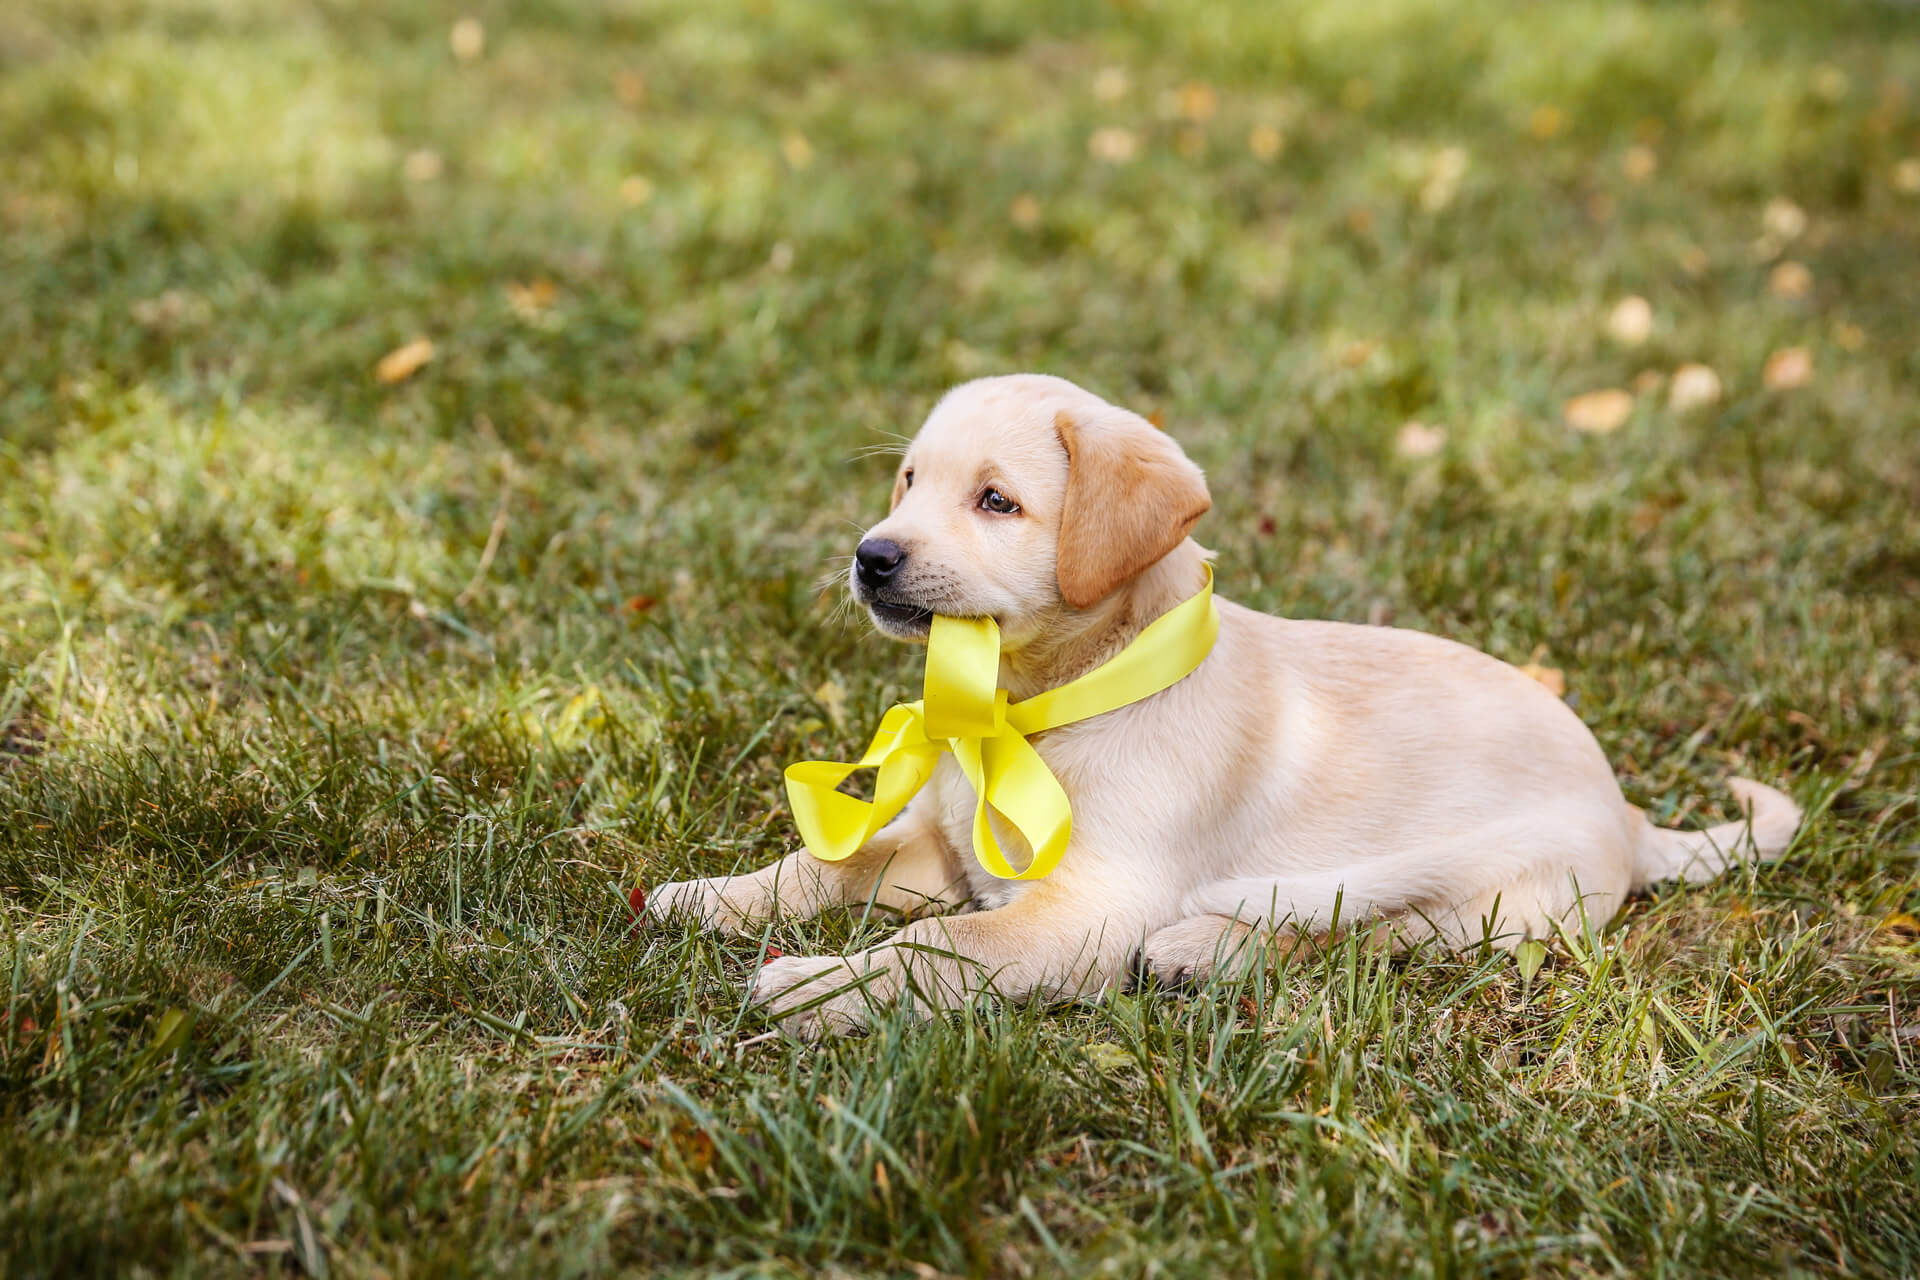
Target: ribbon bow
point(963, 711)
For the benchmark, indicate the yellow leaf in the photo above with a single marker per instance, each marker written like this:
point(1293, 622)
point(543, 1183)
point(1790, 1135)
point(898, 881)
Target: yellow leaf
point(1546, 122)
point(832, 697)
point(402, 363)
point(423, 165)
point(575, 723)
point(1631, 321)
point(1598, 412)
point(1784, 220)
point(1419, 440)
point(1113, 145)
point(1694, 385)
point(468, 39)
point(1552, 679)
point(630, 87)
point(1198, 101)
point(529, 300)
point(1107, 1056)
point(636, 190)
point(1787, 369)
point(1790, 280)
point(1903, 924)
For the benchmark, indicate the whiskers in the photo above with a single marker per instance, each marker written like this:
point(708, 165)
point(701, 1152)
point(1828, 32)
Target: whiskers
point(892, 446)
point(846, 611)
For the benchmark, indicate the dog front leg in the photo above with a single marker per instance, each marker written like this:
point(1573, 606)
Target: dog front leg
point(1045, 943)
point(906, 867)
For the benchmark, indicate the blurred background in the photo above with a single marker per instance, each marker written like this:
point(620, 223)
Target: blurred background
point(428, 432)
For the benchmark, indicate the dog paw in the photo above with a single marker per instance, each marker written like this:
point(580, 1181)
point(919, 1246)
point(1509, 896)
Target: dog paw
point(1188, 951)
point(698, 901)
point(812, 997)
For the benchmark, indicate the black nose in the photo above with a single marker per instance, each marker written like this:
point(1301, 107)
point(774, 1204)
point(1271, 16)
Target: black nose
point(877, 560)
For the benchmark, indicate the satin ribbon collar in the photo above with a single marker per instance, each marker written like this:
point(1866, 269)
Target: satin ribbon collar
point(965, 712)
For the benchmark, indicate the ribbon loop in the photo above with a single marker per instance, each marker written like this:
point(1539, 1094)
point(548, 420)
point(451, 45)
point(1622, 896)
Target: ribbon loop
point(965, 712)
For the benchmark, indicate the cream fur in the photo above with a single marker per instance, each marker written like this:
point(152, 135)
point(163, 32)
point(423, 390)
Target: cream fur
point(1415, 785)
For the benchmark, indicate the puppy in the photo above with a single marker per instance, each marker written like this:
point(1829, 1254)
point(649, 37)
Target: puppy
point(1408, 784)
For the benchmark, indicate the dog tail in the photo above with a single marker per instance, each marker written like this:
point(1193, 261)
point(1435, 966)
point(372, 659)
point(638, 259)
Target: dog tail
point(1696, 856)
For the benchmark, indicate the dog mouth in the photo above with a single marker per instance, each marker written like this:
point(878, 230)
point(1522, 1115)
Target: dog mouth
point(900, 619)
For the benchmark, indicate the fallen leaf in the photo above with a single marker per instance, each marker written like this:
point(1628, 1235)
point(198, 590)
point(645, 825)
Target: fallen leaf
point(1784, 220)
point(1198, 101)
point(832, 697)
point(1639, 163)
point(1552, 679)
point(1111, 84)
point(637, 901)
point(1790, 280)
point(639, 604)
point(1265, 141)
point(1528, 957)
point(1419, 440)
point(1787, 369)
point(636, 190)
point(1599, 412)
point(1444, 172)
point(530, 299)
point(630, 88)
point(172, 1031)
point(1025, 211)
point(170, 311)
point(1113, 145)
point(1694, 386)
point(1107, 1056)
point(403, 362)
point(1630, 322)
point(468, 39)
point(575, 723)
point(423, 165)
point(1901, 924)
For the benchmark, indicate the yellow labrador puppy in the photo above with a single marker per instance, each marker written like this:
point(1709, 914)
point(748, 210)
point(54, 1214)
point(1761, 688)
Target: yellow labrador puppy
point(1404, 781)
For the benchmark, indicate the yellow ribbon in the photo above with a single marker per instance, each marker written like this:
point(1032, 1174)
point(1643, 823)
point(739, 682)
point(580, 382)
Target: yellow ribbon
point(963, 711)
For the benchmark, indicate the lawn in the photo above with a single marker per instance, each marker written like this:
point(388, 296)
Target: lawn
point(347, 684)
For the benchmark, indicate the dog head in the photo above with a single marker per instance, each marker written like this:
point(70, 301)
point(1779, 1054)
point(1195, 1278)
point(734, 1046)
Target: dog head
point(1027, 500)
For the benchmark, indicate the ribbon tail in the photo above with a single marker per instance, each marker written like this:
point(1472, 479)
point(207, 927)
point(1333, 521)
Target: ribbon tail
point(1010, 778)
point(834, 825)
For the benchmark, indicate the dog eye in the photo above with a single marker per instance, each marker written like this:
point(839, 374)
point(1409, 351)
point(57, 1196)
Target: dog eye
point(907, 477)
point(997, 502)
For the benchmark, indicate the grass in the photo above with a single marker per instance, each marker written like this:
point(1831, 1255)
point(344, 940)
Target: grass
point(340, 715)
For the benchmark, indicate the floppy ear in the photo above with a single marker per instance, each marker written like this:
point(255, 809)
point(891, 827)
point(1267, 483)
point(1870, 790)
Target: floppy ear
point(1132, 496)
